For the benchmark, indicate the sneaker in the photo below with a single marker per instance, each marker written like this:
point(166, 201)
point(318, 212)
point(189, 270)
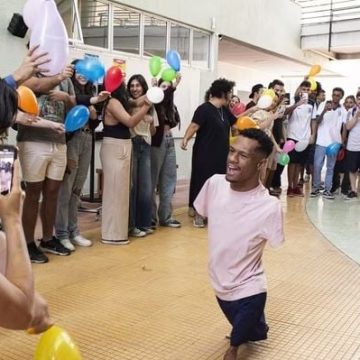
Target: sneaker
point(135, 232)
point(315, 193)
point(328, 195)
point(290, 192)
point(276, 190)
point(36, 255)
point(322, 187)
point(148, 231)
point(298, 191)
point(172, 223)
point(54, 246)
point(115, 242)
point(198, 222)
point(352, 195)
point(79, 240)
point(67, 243)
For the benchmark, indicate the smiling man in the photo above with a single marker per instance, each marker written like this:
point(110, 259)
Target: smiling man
point(242, 217)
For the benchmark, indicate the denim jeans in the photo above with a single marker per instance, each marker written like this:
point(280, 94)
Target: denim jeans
point(163, 177)
point(78, 150)
point(319, 158)
point(140, 196)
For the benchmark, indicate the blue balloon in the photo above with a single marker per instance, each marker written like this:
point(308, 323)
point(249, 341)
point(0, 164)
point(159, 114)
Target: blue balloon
point(173, 59)
point(333, 149)
point(76, 118)
point(91, 69)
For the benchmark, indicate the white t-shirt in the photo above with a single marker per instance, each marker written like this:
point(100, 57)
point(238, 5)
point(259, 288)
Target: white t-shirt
point(299, 123)
point(240, 224)
point(353, 143)
point(329, 130)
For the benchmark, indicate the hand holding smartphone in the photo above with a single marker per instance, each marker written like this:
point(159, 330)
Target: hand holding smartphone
point(8, 154)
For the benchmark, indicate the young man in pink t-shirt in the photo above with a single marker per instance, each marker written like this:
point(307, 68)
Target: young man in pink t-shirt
point(242, 217)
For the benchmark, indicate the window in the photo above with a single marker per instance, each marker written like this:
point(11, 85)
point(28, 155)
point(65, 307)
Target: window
point(180, 41)
point(69, 15)
point(94, 17)
point(154, 36)
point(201, 49)
point(126, 30)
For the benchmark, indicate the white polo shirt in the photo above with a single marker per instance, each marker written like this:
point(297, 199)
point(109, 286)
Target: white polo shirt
point(329, 130)
point(353, 143)
point(239, 226)
point(299, 123)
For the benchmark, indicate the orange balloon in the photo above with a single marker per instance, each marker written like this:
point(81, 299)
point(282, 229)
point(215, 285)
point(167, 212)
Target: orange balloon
point(246, 122)
point(27, 100)
point(315, 69)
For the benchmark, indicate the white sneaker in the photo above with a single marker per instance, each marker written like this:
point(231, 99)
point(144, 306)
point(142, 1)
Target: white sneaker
point(66, 243)
point(135, 232)
point(79, 240)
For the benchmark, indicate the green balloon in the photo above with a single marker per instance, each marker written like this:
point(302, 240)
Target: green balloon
point(284, 159)
point(168, 74)
point(155, 65)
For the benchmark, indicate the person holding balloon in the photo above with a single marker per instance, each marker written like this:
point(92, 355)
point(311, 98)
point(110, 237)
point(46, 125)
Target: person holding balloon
point(211, 122)
point(42, 156)
point(236, 106)
point(141, 187)
point(328, 142)
point(115, 155)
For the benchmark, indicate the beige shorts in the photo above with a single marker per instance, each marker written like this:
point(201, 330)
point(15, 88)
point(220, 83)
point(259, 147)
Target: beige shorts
point(40, 160)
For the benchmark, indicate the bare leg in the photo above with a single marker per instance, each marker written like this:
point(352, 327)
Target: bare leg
point(231, 353)
point(353, 177)
point(48, 207)
point(31, 209)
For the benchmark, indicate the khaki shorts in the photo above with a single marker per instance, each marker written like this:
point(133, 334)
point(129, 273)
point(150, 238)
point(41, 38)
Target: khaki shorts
point(40, 160)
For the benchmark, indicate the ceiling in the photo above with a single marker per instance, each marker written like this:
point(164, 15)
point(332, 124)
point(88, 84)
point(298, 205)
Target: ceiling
point(239, 54)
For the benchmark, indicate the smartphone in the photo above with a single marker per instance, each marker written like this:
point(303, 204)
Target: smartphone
point(8, 155)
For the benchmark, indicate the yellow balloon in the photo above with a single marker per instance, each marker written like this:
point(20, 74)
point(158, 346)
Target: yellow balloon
point(269, 92)
point(313, 84)
point(56, 344)
point(315, 69)
point(246, 122)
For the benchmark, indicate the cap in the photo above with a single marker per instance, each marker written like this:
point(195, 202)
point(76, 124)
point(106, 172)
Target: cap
point(255, 89)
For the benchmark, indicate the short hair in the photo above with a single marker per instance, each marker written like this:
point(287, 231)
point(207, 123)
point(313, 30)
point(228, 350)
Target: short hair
point(275, 82)
point(339, 89)
point(220, 87)
point(358, 94)
point(352, 97)
point(141, 80)
point(305, 83)
point(265, 143)
point(8, 105)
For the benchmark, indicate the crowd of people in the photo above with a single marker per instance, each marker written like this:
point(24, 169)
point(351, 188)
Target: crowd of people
point(138, 159)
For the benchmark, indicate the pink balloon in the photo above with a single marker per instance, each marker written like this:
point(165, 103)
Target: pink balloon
point(31, 11)
point(238, 109)
point(289, 146)
point(50, 33)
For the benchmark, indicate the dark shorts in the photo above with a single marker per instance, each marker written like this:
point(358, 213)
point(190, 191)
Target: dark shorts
point(311, 153)
point(352, 161)
point(298, 157)
point(246, 317)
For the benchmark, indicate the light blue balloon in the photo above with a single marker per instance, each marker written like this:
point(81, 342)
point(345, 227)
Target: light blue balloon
point(91, 69)
point(173, 59)
point(333, 149)
point(76, 118)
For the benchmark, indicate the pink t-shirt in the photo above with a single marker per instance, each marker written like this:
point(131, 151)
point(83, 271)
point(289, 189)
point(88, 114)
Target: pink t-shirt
point(239, 224)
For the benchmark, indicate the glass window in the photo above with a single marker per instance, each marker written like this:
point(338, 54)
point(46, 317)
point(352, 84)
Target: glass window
point(201, 49)
point(154, 36)
point(94, 16)
point(67, 11)
point(180, 41)
point(126, 30)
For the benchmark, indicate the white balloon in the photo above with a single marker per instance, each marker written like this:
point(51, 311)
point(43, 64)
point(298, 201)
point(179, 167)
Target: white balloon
point(301, 145)
point(264, 102)
point(31, 11)
point(155, 95)
point(52, 37)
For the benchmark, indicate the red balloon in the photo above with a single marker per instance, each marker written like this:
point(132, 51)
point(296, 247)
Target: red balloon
point(341, 155)
point(113, 78)
point(238, 109)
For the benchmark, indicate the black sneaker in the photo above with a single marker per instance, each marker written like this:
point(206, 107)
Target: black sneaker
point(36, 255)
point(352, 195)
point(172, 223)
point(54, 246)
point(315, 193)
point(328, 195)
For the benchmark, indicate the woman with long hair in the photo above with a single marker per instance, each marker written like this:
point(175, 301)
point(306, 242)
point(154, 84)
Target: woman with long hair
point(115, 155)
point(140, 195)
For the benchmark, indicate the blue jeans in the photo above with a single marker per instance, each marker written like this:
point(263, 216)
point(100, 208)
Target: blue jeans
point(79, 151)
point(319, 158)
point(163, 176)
point(140, 196)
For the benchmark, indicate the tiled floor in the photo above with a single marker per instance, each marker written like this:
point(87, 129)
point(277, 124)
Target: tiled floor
point(152, 299)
